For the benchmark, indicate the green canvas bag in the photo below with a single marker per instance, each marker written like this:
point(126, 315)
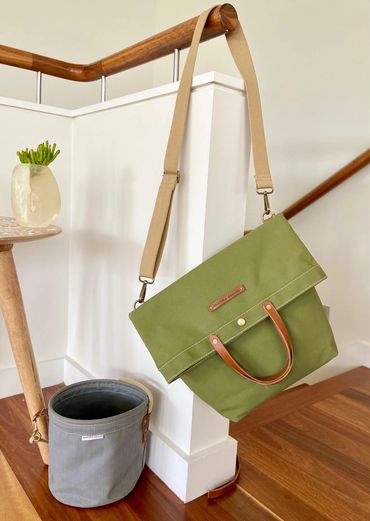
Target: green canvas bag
point(246, 323)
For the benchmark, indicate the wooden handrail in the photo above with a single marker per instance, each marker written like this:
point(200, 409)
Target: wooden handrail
point(323, 188)
point(223, 18)
point(334, 180)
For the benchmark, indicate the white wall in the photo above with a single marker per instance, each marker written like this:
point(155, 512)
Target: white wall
point(336, 230)
point(42, 265)
point(312, 61)
point(77, 31)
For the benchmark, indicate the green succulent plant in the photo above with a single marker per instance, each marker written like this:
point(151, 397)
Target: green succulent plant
point(43, 155)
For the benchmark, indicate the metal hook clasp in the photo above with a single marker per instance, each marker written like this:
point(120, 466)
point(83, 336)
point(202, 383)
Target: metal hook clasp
point(36, 436)
point(142, 293)
point(266, 202)
point(267, 214)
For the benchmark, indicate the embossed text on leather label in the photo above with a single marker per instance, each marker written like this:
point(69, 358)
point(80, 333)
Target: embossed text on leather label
point(225, 298)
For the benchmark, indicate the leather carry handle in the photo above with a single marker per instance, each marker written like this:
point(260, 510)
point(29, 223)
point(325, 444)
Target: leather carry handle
point(228, 486)
point(160, 220)
point(284, 335)
point(146, 420)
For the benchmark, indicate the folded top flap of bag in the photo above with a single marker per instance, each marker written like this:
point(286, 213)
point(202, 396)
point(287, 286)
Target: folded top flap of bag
point(224, 296)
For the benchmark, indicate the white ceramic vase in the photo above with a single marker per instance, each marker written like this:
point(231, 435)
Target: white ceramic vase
point(35, 195)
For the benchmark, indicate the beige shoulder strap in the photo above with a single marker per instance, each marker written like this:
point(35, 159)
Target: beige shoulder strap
point(159, 224)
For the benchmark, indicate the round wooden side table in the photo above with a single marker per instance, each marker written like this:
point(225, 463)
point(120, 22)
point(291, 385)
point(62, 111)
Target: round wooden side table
point(11, 305)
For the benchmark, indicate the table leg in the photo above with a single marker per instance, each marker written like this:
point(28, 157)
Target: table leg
point(11, 304)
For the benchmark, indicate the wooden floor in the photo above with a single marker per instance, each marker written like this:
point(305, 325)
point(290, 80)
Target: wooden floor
point(305, 456)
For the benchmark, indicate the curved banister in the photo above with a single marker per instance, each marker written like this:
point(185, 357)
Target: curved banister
point(223, 18)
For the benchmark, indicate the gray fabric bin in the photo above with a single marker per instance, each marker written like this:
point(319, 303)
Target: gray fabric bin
point(97, 441)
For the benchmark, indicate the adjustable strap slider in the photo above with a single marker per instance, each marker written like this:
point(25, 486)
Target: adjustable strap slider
point(177, 174)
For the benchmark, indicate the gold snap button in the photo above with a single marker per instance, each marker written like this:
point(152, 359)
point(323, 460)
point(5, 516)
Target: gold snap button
point(241, 322)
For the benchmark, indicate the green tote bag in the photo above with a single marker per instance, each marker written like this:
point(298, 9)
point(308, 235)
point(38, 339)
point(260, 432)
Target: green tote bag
point(247, 323)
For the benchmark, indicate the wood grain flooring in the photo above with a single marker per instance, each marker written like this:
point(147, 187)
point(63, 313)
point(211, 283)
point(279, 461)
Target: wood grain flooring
point(305, 456)
point(14, 503)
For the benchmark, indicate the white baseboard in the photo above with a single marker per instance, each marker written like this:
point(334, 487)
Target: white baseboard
point(191, 476)
point(51, 372)
point(74, 372)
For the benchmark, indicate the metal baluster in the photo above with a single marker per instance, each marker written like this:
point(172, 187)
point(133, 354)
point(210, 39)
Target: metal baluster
point(38, 87)
point(176, 65)
point(103, 88)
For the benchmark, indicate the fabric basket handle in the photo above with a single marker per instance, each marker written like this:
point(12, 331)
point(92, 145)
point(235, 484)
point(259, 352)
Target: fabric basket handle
point(284, 335)
point(160, 220)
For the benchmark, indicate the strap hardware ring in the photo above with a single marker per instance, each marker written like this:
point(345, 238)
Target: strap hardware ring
point(36, 436)
point(267, 214)
point(142, 294)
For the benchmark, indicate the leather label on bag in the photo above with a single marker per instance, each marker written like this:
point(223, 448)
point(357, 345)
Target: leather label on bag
point(225, 298)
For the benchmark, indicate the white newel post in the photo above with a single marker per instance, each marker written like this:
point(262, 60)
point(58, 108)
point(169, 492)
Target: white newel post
point(118, 161)
point(211, 214)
